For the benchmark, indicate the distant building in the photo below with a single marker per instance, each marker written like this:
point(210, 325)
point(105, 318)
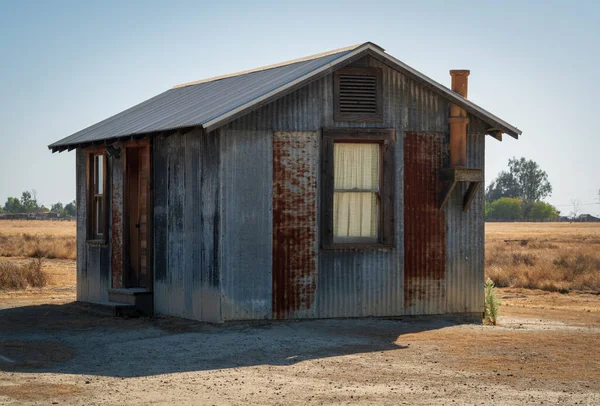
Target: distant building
point(585, 218)
point(345, 184)
point(47, 215)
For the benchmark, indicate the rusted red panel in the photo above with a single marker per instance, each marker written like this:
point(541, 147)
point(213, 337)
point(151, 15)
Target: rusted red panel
point(295, 167)
point(424, 223)
point(117, 229)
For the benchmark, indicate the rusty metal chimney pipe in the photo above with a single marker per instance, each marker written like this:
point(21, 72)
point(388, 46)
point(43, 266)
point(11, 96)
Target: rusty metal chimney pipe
point(459, 120)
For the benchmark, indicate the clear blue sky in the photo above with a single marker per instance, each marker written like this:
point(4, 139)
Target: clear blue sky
point(66, 65)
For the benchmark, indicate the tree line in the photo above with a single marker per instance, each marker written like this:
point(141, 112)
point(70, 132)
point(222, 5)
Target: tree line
point(28, 204)
point(517, 194)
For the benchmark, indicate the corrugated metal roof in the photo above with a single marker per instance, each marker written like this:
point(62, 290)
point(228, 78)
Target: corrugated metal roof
point(214, 102)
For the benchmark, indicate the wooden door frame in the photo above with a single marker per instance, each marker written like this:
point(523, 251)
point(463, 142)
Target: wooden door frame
point(140, 143)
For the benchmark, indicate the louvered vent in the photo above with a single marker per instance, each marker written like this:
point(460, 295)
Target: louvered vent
point(358, 94)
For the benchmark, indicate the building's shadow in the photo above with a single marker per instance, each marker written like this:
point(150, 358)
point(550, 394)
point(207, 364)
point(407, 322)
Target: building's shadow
point(69, 339)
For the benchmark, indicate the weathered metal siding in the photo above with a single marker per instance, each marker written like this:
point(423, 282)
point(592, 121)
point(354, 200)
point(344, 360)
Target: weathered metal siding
point(93, 261)
point(187, 225)
point(465, 234)
point(425, 225)
point(246, 176)
point(295, 245)
point(350, 283)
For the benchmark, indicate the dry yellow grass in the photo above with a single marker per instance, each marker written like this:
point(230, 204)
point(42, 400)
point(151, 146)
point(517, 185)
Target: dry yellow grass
point(38, 239)
point(548, 256)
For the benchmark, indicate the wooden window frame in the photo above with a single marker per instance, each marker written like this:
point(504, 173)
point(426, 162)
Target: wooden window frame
point(351, 117)
point(92, 235)
point(386, 137)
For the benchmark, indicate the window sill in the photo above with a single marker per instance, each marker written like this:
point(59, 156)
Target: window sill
point(100, 243)
point(358, 247)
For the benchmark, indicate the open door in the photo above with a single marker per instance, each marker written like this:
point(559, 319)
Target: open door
point(137, 215)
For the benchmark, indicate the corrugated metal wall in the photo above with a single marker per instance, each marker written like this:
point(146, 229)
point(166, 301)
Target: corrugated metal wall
point(349, 283)
point(247, 213)
point(465, 235)
point(187, 233)
point(93, 261)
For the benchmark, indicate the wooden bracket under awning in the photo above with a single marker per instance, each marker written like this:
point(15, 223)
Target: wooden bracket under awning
point(450, 178)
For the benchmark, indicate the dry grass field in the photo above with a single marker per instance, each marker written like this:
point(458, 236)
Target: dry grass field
point(53, 351)
point(548, 256)
point(35, 253)
point(38, 239)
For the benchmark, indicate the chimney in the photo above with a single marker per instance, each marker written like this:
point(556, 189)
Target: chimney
point(458, 121)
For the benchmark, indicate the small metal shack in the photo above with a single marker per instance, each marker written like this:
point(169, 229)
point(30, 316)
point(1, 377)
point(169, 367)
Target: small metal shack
point(344, 184)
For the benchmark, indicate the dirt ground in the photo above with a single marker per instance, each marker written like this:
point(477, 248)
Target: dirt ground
point(543, 351)
point(54, 351)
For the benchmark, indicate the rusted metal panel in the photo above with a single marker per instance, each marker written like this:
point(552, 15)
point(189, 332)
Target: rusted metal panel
point(424, 225)
point(187, 225)
point(117, 223)
point(247, 198)
point(295, 168)
point(465, 235)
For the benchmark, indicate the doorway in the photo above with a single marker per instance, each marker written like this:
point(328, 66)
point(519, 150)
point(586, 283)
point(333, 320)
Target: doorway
point(137, 215)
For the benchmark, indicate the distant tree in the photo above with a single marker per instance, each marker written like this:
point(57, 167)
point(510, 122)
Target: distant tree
point(506, 209)
point(524, 179)
point(13, 205)
point(505, 185)
point(57, 207)
point(541, 211)
point(71, 209)
point(576, 208)
point(29, 203)
point(487, 208)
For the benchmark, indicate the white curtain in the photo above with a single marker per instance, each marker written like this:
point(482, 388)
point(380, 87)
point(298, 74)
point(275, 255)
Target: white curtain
point(356, 184)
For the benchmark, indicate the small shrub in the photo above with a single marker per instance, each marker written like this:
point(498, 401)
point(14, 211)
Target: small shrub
point(15, 276)
point(492, 303)
point(521, 258)
point(36, 277)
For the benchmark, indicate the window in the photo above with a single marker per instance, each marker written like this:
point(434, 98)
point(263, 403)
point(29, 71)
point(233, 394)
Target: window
point(358, 188)
point(97, 205)
point(358, 94)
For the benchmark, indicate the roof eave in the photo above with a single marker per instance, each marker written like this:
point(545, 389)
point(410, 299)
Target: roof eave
point(448, 93)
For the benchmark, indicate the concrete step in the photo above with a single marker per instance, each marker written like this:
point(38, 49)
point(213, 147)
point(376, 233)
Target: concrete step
point(140, 298)
point(109, 308)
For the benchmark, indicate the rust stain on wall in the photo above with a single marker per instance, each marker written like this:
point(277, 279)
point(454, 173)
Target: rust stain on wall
point(295, 165)
point(117, 232)
point(424, 223)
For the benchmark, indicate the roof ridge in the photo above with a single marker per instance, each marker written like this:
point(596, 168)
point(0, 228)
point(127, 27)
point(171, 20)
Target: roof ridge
point(276, 65)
